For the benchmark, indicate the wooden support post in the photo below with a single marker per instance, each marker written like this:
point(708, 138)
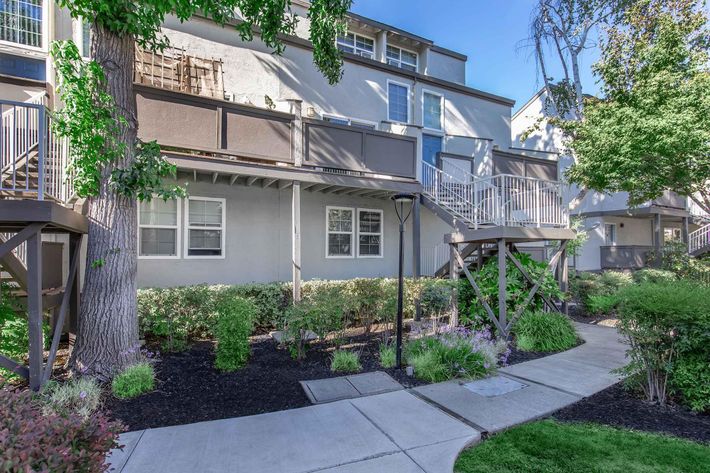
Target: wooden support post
point(417, 252)
point(454, 276)
point(479, 260)
point(502, 285)
point(34, 309)
point(296, 239)
point(564, 279)
point(657, 240)
point(684, 230)
point(74, 246)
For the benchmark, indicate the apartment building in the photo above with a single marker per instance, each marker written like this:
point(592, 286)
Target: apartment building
point(288, 176)
point(619, 236)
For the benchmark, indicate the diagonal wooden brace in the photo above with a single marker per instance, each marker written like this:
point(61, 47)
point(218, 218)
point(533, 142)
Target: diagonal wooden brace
point(478, 292)
point(541, 279)
point(19, 238)
point(529, 278)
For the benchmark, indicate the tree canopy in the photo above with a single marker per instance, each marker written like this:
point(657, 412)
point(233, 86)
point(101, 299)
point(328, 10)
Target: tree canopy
point(650, 132)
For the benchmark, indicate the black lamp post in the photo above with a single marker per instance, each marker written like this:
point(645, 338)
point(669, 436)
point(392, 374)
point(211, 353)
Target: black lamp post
point(400, 200)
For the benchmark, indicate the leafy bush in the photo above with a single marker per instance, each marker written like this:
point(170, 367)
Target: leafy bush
point(517, 289)
point(435, 297)
point(134, 381)
point(232, 331)
point(602, 304)
point(544, 331)
point(388, 356)
point(455, 353)
point(81, 396)
point(320, 312)
point(691, 380)
point(666, 325)
point(345, 361)
point(31, 440)
point(654, 275)
point(589, 288)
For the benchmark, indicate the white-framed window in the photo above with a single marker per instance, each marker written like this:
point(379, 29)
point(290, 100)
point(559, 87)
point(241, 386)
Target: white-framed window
point(21, 22)
point(432, 110)
point(205, 227)
point(158, 229)
point(610, 234)
point(85, 38)
point(356, 122)
point(340, 232)
point(401, 58)
point(357, 44)
point(369, 233)
point(397, 102)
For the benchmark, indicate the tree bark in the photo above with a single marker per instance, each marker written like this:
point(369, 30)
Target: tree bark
point(107, 338)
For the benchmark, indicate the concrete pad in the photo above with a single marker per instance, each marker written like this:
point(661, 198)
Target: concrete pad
point(410, 422)
point(398, 462)
point(578, 378)
point(290, 441)
point(494, 386)
point(609, 359)
point(374, 383)
point(329, 389)
point(440, 457)
point(117, 458)
point(497, 413)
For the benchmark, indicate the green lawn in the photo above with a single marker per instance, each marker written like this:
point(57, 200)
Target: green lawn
point(551, 447)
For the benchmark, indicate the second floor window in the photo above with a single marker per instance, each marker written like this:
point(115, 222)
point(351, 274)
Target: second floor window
point(21, 22)
point(398, 102)
point(610, 234)
point(401, 58)
point(433, 105)
point(357, 44)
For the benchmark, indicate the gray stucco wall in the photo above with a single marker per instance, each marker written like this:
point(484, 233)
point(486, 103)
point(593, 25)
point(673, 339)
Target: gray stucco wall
point(258, 241)
point(443, 65)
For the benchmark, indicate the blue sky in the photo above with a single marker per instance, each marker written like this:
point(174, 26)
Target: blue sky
point(491, 33)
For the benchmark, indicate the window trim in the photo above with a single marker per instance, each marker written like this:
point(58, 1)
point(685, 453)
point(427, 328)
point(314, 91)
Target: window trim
point(381, 233)
point(175, 227)
point(79, 37)
point(614, 243)
point(352, 233)
point(387, 58)
point(44, 31)
point(187, 228)
point(409, 93)
point(350, 120)
point(354, 46)
point(442, 105)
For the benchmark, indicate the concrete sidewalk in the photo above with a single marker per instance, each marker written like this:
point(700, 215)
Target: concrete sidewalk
point(393, 432)
point(420, 431)
point(549, 383)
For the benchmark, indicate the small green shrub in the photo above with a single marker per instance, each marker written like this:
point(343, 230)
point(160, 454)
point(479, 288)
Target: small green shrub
point(234, 325)
point(345, 361)
point(602, 304)
point(590, 288)
point(80, 396)
point(654, 275)
point(666, 325)
point(544, 331)
point(388, 356)
point(320, 312)
point(691, 380)
point(134, 381)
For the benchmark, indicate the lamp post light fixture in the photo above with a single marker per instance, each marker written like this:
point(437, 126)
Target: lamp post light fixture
point(400, 201)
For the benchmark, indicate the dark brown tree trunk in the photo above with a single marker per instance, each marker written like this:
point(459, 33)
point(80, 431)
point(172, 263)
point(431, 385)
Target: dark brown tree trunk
point(107, 338)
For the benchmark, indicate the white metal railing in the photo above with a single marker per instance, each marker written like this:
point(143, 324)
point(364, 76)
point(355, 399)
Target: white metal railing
point(33, 160)
point(433, 258)
point(698, 239)
point(500, 200)
point(696, 210)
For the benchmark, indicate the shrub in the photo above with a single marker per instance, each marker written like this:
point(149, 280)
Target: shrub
point(544, 331)
point(388, 356)
point(602, 304)
point(435, 297)
point(134, 381)
point(345, 361)
point(691, 380)
point(320, 312)
point(232, 331)
point(455, 353)
point(589, 288)
point(654, 275)
point(666, 325)
point(517, 289)
point(81, 396)
point(31, 440)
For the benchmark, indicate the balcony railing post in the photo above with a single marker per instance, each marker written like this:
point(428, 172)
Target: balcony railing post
point(537, 203)
point(41, 156)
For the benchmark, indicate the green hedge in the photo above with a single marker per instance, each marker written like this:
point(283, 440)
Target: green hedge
point(174, 316)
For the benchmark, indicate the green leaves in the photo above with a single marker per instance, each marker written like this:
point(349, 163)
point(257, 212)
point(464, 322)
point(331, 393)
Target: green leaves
point(143, 178)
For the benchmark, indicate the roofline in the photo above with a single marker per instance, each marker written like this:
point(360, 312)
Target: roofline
point(530, 101)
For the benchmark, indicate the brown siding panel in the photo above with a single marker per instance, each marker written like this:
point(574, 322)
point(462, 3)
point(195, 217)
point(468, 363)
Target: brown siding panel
point(541, 170)
point(257, 136)
point(390, 156)
point(503, 165)
point(335, 147)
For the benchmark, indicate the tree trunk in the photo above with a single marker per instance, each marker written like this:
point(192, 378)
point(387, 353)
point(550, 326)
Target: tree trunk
point(107, 338)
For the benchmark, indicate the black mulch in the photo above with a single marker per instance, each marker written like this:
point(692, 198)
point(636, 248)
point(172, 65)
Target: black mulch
point(619, 407)
point(189, 389)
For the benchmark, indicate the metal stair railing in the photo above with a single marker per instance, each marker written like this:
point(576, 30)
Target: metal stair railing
point(699, 239)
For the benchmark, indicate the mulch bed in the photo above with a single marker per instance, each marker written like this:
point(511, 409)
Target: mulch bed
point(619, 407)
point(189, 388)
